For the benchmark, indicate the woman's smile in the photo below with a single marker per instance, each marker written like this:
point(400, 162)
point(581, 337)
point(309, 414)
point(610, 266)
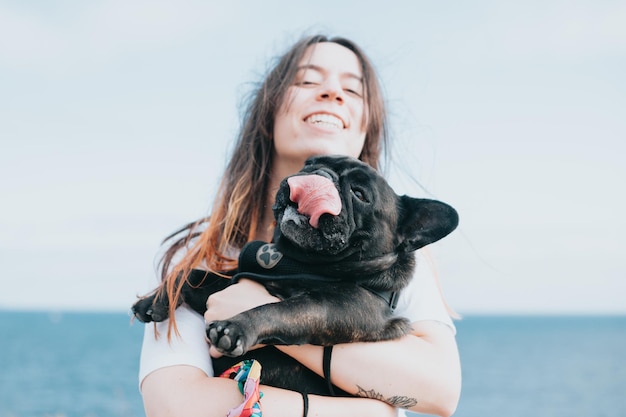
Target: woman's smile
point(325, 121)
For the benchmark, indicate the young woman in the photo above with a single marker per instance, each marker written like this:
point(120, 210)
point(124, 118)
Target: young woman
point(322, 97)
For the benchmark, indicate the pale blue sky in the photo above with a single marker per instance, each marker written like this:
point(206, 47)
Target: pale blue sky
point(115, 120)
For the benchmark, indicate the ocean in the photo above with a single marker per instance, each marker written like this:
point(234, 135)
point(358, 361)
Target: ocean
point(66, 364)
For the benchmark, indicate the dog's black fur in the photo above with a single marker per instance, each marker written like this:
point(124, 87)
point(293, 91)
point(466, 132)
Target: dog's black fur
point(336, 284)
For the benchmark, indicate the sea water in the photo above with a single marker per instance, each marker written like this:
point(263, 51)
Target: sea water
point(543, 366)
point(85, 365)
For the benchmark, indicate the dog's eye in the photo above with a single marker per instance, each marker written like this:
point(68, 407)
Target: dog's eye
point(359, 194)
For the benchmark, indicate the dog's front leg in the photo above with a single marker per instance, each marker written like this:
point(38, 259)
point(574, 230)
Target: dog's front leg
point(267, 324)
point(320, 319)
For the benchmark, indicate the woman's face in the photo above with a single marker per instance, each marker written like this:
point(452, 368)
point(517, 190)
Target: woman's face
point(323, 111)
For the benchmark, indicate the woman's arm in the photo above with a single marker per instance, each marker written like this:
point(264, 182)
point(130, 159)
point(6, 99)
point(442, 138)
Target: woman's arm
point(187, 391)
point(420, 371)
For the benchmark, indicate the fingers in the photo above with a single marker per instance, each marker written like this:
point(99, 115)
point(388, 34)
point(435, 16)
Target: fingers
point(214, 352)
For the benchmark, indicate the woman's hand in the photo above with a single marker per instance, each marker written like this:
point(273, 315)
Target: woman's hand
point(232, 300)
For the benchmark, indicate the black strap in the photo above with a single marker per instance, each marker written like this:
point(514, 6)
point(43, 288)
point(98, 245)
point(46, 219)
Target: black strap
point(393, 301)
point(390, 297)
point(305, 404)
point(328, 352)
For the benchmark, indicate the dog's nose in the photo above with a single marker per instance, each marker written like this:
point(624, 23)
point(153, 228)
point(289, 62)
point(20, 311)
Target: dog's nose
point(315, 195)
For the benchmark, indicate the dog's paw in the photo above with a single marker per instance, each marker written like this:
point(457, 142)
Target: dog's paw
point(228, 337)
point(150, 308)
point(396, 327)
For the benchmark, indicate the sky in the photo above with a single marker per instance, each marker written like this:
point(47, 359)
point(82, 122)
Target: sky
point(116, 118)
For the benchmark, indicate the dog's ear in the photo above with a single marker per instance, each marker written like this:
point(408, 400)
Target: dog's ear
point(423, 221)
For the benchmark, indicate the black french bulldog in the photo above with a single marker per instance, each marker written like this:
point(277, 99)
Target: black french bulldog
point(343, 248)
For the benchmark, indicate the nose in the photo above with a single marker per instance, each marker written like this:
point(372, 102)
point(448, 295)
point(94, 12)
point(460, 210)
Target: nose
point(331, 90)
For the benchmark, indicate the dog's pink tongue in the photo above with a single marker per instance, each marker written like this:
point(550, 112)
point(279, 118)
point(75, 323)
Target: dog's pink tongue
point(315, 195)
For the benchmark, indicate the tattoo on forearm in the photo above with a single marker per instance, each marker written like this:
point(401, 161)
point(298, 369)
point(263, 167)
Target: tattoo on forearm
point(401, 401)
point(369, 394)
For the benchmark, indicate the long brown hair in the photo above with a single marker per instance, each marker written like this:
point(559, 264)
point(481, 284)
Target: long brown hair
point(241, 195)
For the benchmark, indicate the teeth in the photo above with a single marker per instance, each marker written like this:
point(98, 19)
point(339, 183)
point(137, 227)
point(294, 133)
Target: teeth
point(326, 119)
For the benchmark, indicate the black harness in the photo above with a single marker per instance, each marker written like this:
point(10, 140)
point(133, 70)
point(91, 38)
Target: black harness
point(263, 262)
